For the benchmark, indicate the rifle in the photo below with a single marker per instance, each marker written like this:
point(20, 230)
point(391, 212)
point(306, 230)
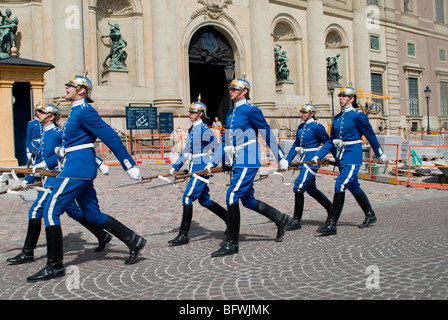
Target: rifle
point(204, 172)
point(20, 188)
point(174, 183)
point(149, 179)
point(47, 173)
point(323, 162)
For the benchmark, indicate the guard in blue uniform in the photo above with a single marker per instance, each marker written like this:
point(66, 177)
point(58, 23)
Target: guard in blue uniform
point(82, 128)
point(200, 142)
point(310, 136)
point(243, 125)
point(345, 144)
point(51, 138)
point(33, 137)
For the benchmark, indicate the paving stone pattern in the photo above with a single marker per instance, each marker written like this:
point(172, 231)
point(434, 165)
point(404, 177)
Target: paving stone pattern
point(403, 256)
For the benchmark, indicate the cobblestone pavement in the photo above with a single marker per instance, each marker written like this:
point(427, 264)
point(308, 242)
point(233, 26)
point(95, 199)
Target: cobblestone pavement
point(403, 256)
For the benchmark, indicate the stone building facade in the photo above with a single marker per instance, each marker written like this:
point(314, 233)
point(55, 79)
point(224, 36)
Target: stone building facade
point(178, 49)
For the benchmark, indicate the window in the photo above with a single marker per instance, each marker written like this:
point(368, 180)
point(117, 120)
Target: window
point(411, 49)
point(413, 96)
point(444, 98)
point(374, 2)
point(442, 55)
point(377, 87)
point(439, 8)
point(374, 42)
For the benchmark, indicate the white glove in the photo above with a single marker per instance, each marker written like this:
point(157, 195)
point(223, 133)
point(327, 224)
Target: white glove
point(283, 164)
point(383, 158)
point(40, 165)
point(315, 159)
point(172, 171)
point(60, 151)
point(28, 155)
point(24, 184)
point(229, 150)
point(209, 167)
point(104, 168)
point(134, 173)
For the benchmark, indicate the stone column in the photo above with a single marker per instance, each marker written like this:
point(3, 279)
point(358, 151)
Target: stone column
point(262, 53)
point(7, 156)
point(316, 52)
point(166, 83)
point(68, 42)
point(361, 45)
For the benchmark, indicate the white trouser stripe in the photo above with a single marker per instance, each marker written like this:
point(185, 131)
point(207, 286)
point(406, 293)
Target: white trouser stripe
point(187, 198)
point(348, 178)
point(53, 201)
point(304, 179)
point(46, 192)
point(237, 187)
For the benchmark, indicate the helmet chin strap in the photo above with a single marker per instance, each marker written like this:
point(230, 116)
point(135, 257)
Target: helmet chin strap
point(239, 94)
point(342, 107)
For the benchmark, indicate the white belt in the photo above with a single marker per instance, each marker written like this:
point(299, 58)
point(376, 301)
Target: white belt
point(79, 147)
point(301, 150)
point(340, 143)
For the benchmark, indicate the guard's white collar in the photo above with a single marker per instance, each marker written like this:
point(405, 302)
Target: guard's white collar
point(347, 108)
point(49, 127)
point(240, 102)
point(197, 122)
point(310, 120)
point(79, 102)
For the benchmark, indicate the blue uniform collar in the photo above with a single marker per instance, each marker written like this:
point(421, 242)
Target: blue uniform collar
point(49, 127)
point(79, 102)
point(197, 123)
point(347, 109)
point(311, 120)
point(240, 102)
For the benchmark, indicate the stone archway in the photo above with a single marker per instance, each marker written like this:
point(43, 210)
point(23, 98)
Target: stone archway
point(209, 53)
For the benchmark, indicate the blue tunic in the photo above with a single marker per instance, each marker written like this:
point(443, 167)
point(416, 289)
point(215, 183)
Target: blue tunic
point(33, 135)
point(310, 135)
point(243, 125)
point(349, 126)
point(200, 142)
point(84, 126)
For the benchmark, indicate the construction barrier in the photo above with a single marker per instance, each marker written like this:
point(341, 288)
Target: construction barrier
point(166, 148)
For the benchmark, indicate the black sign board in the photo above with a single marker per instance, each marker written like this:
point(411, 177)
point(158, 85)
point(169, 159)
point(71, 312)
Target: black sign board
point(166, 122)
point(141, 118)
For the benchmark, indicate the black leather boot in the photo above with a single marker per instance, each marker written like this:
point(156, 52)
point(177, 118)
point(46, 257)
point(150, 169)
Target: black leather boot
point(296, 222)
point(54, 267)
point(103, 237)
point(230, 246)
point(280, 219)
point(218, 210)
point(182, 237)
point(32, 236)
point(364, 203)
point(323, 200)
point(336, 209)
point(134, 242)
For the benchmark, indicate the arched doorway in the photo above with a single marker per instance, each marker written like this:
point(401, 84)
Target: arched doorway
point(209, 53)
point(22, 113)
